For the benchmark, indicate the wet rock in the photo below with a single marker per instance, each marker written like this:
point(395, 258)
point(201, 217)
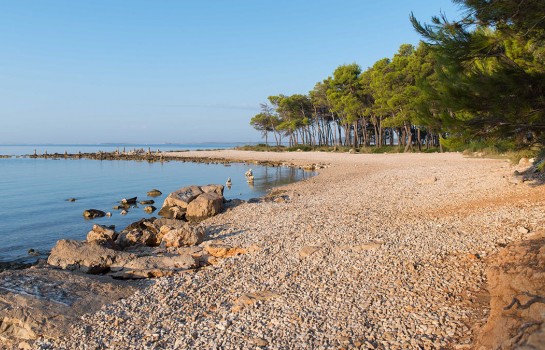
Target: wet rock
point(129, 200)
point(93, 213)
point(150, 209)
point(154, 193)
point(149, 201)
point(204, 206)
point(71, 200)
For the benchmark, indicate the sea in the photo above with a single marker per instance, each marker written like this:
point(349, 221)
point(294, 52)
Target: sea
point(35, 213)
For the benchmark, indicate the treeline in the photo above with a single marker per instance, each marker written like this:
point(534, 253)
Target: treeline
point(478, 79)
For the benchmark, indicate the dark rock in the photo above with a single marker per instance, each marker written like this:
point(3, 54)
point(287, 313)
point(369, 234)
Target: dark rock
point(142, 224)
point(33, 252)
point(150, 209)
point(129, 200)
point(149, 201)
point(71, 200)
point(93, 213)
point(154, 193)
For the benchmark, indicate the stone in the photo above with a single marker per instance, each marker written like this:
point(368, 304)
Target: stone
point(204, 206)
point(252, 298)
point(172, 212)
point(217, 189)
point(154, 193)
point(259, 342)
point(149, 201)
point(150, 209)
point(516, 281)
point(367, 246)
point(124, 212)
point(129, 200)
point(187, 235)
point(220, 250)
point(102, 234)
point(522, 230)
point(155, 266)
point(93, 213)
point(429, 180)
point(71, 200)
point(516, 179)
point(86, 257)
point(182, 197)
point(46, 302)
point(308, 250)
point(129, 238)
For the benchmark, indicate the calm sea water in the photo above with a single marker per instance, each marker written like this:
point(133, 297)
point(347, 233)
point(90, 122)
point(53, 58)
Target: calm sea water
point(34, 212)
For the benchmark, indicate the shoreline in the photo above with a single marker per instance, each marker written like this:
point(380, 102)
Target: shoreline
point(392, 261)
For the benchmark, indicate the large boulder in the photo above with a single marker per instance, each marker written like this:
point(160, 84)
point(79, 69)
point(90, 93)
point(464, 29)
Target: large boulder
point(204, 206)
point(182, 197)
point(186, 235)
point(87, 257)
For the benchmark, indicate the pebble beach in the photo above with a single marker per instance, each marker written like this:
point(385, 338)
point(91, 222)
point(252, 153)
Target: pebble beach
point(381, 251)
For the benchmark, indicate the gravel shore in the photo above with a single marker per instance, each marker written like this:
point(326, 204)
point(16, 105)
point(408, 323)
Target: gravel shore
point(377, 251)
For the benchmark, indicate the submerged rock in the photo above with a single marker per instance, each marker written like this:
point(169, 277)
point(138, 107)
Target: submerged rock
point(150, 209)
point(129, 200)
point(93, 213)
point(154, 193)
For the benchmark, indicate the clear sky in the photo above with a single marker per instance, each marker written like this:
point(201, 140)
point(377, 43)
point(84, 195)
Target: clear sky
point(179, 71)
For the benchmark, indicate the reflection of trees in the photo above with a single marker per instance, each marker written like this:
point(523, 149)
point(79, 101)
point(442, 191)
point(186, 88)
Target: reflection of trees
point(268, 177)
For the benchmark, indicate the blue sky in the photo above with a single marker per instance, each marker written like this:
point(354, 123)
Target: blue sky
point(178, 71)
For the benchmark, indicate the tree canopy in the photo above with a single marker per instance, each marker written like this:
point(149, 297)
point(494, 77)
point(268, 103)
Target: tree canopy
point(480, 77)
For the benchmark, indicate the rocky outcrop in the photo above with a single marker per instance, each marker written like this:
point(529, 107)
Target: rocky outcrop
point(516, 282)
point(193, 202)
point(44, 301)
point(86, 257)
